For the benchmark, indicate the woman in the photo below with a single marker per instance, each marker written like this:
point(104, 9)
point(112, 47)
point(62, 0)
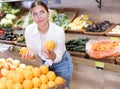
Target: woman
point(38, 33)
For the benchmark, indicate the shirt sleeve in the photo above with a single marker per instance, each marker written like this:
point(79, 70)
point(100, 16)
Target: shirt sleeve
point(60, 46)
point(28, 40)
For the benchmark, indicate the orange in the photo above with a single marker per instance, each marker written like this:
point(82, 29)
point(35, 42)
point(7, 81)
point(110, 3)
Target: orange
point(36, 88)
point(51, 75)
point(36, 82)
point(50, 44)
point(59, 80)
point(2, 85)
point(17, 86)
point(28, 74)
point(27, 84)
point(44, 86)
point(44, 69)
point(51, 84)
point(20, 70)
point(43, 78)
point(36, 72)
point(9, 84)
point(23, 50)
point(29, 67)
point(11, 75)
point(3, 79)
point(18, 78)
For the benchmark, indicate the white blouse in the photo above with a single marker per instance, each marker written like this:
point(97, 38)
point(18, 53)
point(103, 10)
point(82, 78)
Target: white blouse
point(35, 41)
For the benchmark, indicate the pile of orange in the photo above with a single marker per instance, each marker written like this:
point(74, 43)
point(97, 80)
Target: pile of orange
point(30, 77)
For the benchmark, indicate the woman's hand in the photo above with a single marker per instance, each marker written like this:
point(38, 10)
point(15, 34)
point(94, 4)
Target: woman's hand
point(51, 54)
point(29, 55)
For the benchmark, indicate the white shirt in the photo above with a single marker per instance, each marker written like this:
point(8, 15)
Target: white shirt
point(35, 41)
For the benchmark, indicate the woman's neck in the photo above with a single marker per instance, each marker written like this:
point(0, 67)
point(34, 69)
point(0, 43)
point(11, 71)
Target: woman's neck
point(44, 29)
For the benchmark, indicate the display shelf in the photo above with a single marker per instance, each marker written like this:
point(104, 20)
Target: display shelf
point(12, 43)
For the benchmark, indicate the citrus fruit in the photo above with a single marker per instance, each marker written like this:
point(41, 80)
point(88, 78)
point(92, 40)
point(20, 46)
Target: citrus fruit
point(36, 82)
point(59, 80)
point(18, 77)
point(17, 86)
point(27, 84)
point(2, 85)
point(51, 84)
point(44, 86)
point(51, 76)
point(44, 69)
point(28, 74)
point(50, 44)
point(9, 84)
point(23, 50)
point(43, 78)
point(36, 72)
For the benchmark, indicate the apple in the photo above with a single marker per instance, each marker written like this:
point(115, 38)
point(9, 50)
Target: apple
point(16, 63)
point(4, 72)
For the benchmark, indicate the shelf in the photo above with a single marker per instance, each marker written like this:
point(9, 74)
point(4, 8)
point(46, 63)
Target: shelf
point(12, 43)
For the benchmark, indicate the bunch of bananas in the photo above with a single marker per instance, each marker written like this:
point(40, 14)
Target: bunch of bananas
point(80, 23)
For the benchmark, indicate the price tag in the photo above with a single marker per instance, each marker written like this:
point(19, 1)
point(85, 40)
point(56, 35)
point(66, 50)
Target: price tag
point(99, 65)
point(114, 38)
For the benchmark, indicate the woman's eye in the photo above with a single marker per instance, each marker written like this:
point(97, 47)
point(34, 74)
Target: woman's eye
point(42, 12)
point(34, 15)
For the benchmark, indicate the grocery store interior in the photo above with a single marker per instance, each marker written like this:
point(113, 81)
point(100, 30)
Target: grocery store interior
point(89, 71)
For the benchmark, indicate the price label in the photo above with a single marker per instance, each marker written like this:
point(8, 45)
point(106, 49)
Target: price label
point(99, 65)
point(114, 38)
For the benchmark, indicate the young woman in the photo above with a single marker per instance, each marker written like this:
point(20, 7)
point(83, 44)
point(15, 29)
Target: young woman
point(36, 34)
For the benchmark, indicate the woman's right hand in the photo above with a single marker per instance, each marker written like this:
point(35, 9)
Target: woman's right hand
point(29, 55)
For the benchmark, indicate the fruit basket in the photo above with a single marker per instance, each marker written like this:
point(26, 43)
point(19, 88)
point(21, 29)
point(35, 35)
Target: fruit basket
point(70, 12)
point(99, 33)
point(68, 30)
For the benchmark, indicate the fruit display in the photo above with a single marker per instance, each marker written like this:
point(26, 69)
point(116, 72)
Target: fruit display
point(16, 75)
point(99, 27)
point(9, 35)
point(80, 23)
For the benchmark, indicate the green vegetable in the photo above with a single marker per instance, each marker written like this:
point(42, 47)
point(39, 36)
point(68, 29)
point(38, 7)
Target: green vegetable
point(15, 11)
point(11, 16)
point(6, 23)
point(53, 14)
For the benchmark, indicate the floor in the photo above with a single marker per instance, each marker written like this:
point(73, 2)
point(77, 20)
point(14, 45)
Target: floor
point(85, 77)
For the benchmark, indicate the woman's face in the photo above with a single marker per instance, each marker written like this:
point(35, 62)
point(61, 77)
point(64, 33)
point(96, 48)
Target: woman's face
point(40, 15)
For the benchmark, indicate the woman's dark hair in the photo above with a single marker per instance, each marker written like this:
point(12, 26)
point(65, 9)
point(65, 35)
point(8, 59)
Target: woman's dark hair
point(39, 2)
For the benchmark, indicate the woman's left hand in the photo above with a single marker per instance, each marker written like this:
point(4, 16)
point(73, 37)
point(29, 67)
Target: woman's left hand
point(51, 54)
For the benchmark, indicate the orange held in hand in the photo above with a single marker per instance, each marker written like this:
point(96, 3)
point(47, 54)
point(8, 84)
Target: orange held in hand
point(50, 44)
point(23, 50)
